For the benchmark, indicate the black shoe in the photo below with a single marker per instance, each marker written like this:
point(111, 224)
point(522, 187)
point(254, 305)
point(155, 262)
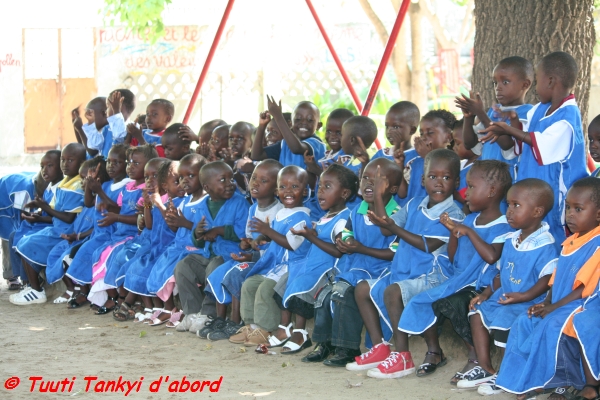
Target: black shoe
point(228, 330)
point(319, 353)
point(342, 357)
point(211, 325)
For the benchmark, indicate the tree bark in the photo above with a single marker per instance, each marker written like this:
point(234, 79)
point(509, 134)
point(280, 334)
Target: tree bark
point(532, 29)
point(418, 79)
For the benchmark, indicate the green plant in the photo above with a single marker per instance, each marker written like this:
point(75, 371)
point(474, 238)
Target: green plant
point(141, 16)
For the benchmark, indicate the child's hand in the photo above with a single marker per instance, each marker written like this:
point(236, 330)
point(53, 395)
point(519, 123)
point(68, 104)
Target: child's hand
point(176, 220)
point(256, 225)
point(421, 147)
point(245, 243)
point(511, 298)
point(399, 155)
point(264, 118)
point(473, 104)
point(274, 108)
point(76, 118)
point(134, 131)
point(380, 183)
point(69, 237)
point(304, 232)
point(349, 246)
point(90, 116)
point(245, 165)
point(535, 309)
point(31, 218)
point(241, 257)
point(114, 103)
point(211, 234)
point(383, 222)
point(201, 228)
point(227, 155)
point(109, 219)
point(480, 298)
point(258, 242)
point(495, 130)
point(186, 133)
point(141, 222)
point(309, 159)
point(447, 221)
point(203, 149)
point(360, 153)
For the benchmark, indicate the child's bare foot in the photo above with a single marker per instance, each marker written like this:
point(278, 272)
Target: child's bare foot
point(459, 375)
point(589, 392)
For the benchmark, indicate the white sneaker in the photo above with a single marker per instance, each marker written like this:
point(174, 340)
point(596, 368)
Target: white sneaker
point(29, 296)
point(12, 296)
point(197, 323)
point(490, 388)
point(186, 323)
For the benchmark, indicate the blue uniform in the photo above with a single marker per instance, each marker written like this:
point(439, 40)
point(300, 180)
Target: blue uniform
point(80, 269)
point(586, 327)
point(27, 228)
point(466, 267)
point(135, 272)
point(36, 247)
point(286, 157)
point(557, 155)
point(10, 217)
point(533, 342)
point(521, 266)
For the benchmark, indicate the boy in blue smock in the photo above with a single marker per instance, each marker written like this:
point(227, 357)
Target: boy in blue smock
point(368, 256)
point(528, 259)
point(159, 114)
point(414, 269)
point(512, 78)
point(550, 144)
point(63, 208)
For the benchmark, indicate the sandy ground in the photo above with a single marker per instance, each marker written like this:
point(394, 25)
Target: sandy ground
point(55, 343)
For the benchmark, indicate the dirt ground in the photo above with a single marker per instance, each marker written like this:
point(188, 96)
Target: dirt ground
point(54, 343)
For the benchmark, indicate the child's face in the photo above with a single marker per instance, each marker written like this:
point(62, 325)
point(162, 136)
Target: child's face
point(83, 171)
point(157, 118)
point(151, 176)
point(594, 140)
point(435, 133)
point(50, 168)
point(273, 133)
point(174, 149)
point(478, 191)
point(189, 177)
point(367, 182)
point(542, 85)
point(581, 213)
point(135, 166)
point(509, 86)
point(522, 209)
point(305, 121)
point(459, 146)
point(263, 182)
point(239, 142)
point(70, 163)
point(333, 133)
point(218, 141)
point(116, 167)
point(291, 189)
point(99, 112)
point(171, 184)
point(331, 193)
point(347, 141)
point(397, 128)
point(220, 185)
point(439, 181)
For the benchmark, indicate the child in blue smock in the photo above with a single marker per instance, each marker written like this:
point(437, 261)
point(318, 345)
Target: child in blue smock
point(551, 144)
point(59, 258)
point(159, 114)
point(224, 283)
point(473, 246)
point(536, 337)
point(528, 259)
point(414, 269)
point(367, 256)
point(63, 208)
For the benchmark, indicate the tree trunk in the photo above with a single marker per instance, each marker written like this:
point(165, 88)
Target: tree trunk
point(419, 80)
point(532, 29)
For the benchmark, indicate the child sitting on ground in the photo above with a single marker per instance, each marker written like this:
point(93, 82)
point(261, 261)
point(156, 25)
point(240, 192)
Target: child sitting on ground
point(551, 144)
point(63, 208)
point(159, 114)
point(173, 146)
point(221, 282)
point(528, 259)
point(414, 269)
point(532, 353)
point(59, 258)
point(296, 293)
point(474, 245)
point(368, 255)
point(257, 306)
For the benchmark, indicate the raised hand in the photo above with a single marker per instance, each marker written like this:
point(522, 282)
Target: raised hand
point(421, 147)
point(495, 130)
point(175, 219)
point(380, 183)
point(274, 108)
point(203, 149)
point(186, 133)
point(264, 118)
point(114, 102)
point(383, 222)
point(256, 225)
point(90, 116)
point(472, 105)
point(76, 118)
point(228, 155)
point(360, 153)
point(399, 155)
point(200, 229)
point(134, 131)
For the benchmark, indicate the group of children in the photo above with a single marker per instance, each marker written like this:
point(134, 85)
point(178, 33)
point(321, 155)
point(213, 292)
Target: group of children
point(491, 222)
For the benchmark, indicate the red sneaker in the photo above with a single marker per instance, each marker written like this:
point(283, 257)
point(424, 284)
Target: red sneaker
point(396, 365)
point(371, 358)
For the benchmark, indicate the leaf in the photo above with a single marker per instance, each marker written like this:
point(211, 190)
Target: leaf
point(142, 334)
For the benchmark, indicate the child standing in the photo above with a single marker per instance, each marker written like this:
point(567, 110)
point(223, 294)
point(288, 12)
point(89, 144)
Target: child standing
point(367, 256)
point(535, 337)
point(528, 259)
point(414, 268)
point(551, 144)
point(63, 208)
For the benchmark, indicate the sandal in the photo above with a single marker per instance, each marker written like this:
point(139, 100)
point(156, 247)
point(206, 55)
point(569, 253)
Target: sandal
point(295, 347)
point(156, 321)
point(274, 342)
point(156, 312)
point(105, 310)
point(532, 394)
point(176, 318)
point(14, 283)
point(460, 375)
point(62, 300)
point(73, 303)
point(567, 393)
point(429, 368)
point(143, 315)
point(124, 313)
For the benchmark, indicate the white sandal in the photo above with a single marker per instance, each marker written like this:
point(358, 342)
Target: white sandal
point(142, 316)
point(175, 319)
point(156, 312)
point(296, 348)
point(274, 342)
point(63, 300)
point(157, 321)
